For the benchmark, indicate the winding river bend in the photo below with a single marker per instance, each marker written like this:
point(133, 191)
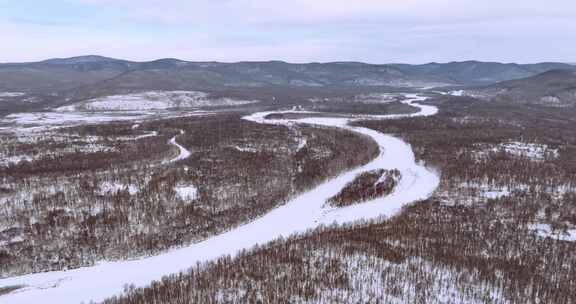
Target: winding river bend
point(306, 211)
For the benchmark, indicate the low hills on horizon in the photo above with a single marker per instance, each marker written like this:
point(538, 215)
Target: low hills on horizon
point(83, 77)
point(67, 73)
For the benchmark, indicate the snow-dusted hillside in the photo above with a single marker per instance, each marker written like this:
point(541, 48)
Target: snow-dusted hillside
point(153, 100)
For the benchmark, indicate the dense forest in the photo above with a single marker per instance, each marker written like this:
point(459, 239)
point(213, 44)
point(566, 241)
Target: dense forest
point(367, 186)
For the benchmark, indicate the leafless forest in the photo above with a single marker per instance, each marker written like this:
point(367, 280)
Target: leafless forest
point(109, 191)
point(366, 186)
point(496, 231)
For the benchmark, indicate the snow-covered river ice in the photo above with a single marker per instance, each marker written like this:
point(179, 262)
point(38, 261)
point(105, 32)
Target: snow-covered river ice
point(306, 211)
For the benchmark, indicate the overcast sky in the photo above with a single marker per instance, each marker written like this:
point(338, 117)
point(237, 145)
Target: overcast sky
point(376, 31)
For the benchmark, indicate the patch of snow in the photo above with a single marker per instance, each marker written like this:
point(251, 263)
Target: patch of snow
point(42, 121)
point(494, 194)
point(186, 192)
point(246, 149)
point(397, 82)
point(153, 100)
point(470, 193)
point(532, 151)
point(545, 230)
point(550, 100)
point(108, 188)
point(304, 83)
point(11, 94)
point(457, 93)
point(374, 98)
point(4, 161)
point(16, 239)
point(529, 150)
point(302, 142)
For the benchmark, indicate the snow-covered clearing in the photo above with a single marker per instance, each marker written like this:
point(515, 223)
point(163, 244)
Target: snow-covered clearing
point(10, 94)
point(299, 215)
point(457, 93)
point(186, 192)
point(108, 188)
point(43, 121)
point(302, 142)
point(530, 151)
point(246, 149)
point(153, 100)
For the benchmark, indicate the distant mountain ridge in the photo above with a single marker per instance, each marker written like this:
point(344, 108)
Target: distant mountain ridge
point(65, 81)
point(60, 74)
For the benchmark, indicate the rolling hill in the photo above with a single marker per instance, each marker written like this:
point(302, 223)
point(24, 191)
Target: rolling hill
point(68, 73)
point(64, 81)
point(552, 88)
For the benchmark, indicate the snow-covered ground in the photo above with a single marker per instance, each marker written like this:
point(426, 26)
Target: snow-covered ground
point(186, 192)
point(246, 149)
point(153, 100)
point(545, 230)
point(108, 278)
point(302, 142)
point(108, 188)
point(376, 98)
point(42, 121)
point(457, 93)
point(10, 94)
point(531, 151)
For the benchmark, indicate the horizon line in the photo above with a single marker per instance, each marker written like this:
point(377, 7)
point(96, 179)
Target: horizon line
point(280, 61)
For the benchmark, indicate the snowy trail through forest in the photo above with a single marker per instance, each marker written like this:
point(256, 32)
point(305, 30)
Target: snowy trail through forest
point(306, 211)
point(183, 153)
